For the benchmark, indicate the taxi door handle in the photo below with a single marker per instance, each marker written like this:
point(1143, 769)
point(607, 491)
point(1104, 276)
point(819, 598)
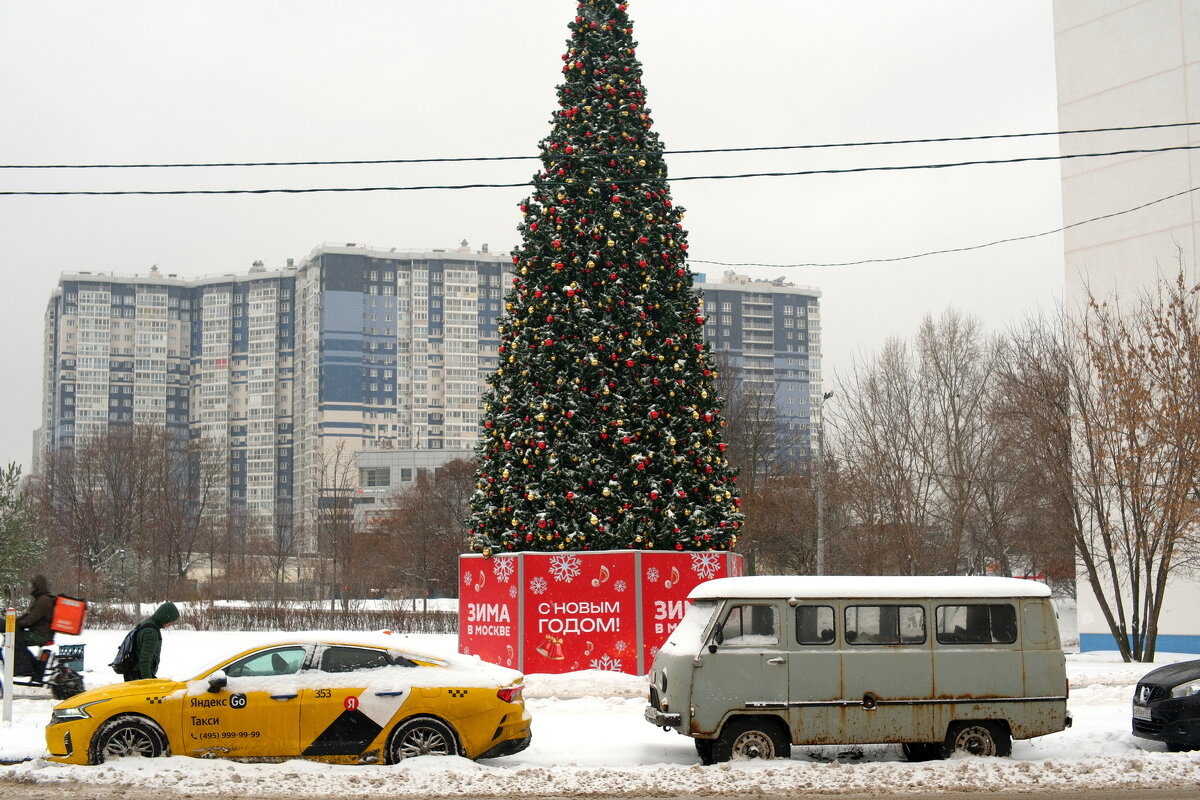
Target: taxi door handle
point(777, 660)
point(388, 694)
point(283, 697)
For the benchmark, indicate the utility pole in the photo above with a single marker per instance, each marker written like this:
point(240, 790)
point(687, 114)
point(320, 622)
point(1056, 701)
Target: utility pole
point(821, 483)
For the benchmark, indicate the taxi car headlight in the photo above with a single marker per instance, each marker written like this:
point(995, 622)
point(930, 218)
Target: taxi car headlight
point(1186, 689)
point(73, 712)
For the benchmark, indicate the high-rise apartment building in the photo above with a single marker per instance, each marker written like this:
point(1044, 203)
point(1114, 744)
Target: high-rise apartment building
point(209, 359)
point(290, 373)
point(769, 332)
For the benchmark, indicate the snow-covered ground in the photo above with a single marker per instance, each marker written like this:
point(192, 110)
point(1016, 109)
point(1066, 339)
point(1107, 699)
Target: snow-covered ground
point(589, 737)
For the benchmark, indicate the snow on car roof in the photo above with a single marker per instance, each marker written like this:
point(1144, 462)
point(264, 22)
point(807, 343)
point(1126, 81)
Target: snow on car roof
point(905, 586)
point(385, 640)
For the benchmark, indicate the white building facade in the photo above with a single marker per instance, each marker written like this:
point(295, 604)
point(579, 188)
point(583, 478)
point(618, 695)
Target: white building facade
point(1130, 63)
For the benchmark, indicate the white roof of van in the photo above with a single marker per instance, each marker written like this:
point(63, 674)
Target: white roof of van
point(904, 586)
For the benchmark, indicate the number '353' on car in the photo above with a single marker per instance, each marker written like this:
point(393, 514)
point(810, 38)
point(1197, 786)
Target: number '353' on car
point(349, 699)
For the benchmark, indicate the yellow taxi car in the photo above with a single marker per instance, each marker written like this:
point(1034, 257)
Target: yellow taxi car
point(347, 699)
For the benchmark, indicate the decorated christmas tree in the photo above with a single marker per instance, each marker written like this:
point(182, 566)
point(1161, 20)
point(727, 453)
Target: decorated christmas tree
point(602, 428)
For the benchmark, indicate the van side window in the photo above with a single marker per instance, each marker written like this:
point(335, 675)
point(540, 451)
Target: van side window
point(977, 623)
point(885, 625)
point(814, 625)
point(749, 625)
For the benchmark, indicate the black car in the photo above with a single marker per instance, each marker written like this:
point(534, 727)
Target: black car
point(1166, 706)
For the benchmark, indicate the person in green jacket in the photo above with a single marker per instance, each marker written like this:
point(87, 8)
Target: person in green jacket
point(149, 642)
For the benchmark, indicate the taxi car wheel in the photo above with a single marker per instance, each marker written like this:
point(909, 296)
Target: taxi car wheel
point(978, 739)
point(421, 736)
point(128, 735)
point(751, 737)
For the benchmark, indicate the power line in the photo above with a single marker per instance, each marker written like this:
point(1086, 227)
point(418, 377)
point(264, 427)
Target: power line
point(698, 151)
point(950, 249)
point(605, 181)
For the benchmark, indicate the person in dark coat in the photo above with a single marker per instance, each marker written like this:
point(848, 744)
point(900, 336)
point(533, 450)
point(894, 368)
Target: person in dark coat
point(33, 627)
point(149, 642)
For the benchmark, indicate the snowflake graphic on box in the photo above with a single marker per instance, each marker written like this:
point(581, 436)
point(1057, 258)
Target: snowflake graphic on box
point(503, 568)
point(620, 646)
point(619, 586)
point(565, 568)
point(706, 565)
point(468, 579)
point(652, 575)
point(512, 591)
point(607, 663)
point(538, 585)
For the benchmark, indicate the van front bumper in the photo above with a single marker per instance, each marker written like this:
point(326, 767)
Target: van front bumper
point(661, 718)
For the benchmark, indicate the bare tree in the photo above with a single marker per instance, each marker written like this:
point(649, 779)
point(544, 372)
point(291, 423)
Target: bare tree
point(1137, 454)
point(184, 488)
point(927, 472)
point(752, 429)
point(132, 508)
point(881, 424)
point(955, 363)
point(425, 526)
point(279, 547)
point(94, 503)
point(333, 517)
point(1031, 412)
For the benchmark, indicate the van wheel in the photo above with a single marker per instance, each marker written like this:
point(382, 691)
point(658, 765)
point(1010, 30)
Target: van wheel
point(745, 738)
point(979, 739)
point(704, 749)
point(922, 751)
point(128, 735)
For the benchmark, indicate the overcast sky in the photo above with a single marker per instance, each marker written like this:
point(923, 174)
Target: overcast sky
point(258, 80)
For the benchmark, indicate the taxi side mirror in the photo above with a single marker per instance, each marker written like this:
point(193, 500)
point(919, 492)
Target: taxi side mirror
point(217, 681)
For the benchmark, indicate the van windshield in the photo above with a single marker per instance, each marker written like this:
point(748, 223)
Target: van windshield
point(690, 632)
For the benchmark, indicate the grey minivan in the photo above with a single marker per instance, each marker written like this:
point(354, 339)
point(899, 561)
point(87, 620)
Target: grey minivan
point(936, 664)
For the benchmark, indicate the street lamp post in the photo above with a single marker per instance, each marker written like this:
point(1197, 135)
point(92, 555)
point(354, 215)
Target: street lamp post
point(821, 483)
